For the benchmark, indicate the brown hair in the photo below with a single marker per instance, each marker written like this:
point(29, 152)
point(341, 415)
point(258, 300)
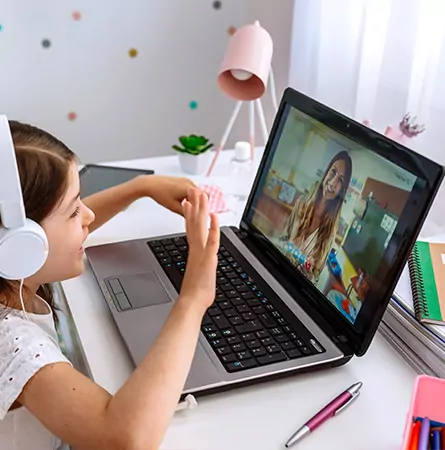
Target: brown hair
point(331, 216)
point(43, 163)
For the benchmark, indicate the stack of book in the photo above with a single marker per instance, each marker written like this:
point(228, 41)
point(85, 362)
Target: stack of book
point(414, 322)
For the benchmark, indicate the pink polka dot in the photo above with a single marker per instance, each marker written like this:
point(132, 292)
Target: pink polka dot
point(72, 116)
point(76, 15)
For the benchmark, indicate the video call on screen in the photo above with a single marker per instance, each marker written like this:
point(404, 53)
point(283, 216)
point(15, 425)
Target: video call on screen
point(331, 207)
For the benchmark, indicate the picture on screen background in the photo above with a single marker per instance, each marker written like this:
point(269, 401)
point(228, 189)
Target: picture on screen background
point(330, 206)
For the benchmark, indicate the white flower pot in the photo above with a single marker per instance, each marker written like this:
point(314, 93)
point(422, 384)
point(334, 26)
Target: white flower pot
point(194, 164)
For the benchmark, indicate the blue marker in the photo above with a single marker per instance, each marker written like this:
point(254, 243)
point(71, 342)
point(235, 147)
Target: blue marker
point(436, 440)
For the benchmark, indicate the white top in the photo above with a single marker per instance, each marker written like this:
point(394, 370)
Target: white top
point(26, 345)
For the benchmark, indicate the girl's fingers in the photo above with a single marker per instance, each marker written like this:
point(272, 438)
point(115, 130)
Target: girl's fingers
point(214, 234)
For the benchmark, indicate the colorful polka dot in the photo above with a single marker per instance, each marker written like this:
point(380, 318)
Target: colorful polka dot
point(1, 27)
point(76, 15)
point(231, 30)
point(217, 4)
point(133, 53)
point(72, 116)
point(193, 104)
point(46, 43)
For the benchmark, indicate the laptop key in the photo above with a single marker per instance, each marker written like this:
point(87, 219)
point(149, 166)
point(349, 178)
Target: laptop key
point(233, 340)
point(240, 365)
point(260, 351)
point(276, 331)
point(247, 336)
point(306, 350)
point(282, 338)
point(263, 334)
point(294, 353)
point(287, 345)
point(230, 312)
point(255, 343)
point(244, 355)
point(243, 308)
point(254, 302)
point(214, 311)
point(274, 348)
point(225, 304)
point(209, 328)
point(249, 327)
point(207, 320)
point(217, 343)
point(238, 347)
point(271, 358)
point(228, 332)
point(267, 321)
point(223, 350)
point(221, 322)
point(236, 320)
point(228, 358)
point(214, 335)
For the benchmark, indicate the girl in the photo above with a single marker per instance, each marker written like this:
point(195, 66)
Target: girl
point(41, 394)
point(311, 227)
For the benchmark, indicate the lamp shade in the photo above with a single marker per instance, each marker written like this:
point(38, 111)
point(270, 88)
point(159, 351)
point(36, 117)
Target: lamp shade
point(246, 64)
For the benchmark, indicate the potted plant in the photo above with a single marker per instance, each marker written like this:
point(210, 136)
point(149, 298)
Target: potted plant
point(193, 153)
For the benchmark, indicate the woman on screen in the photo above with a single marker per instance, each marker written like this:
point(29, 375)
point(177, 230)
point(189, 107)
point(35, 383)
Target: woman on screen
point(310, 229)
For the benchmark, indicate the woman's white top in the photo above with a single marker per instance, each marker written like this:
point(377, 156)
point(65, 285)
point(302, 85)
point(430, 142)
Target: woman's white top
point(26, 345)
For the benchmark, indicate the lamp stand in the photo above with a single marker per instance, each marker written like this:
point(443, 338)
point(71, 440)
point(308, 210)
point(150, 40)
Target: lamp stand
point(262, 120)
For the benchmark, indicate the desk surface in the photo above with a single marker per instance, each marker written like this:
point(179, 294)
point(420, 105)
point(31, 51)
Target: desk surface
point(261, 416)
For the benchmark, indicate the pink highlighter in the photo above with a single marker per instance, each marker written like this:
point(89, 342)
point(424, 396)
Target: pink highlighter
point(334, 407)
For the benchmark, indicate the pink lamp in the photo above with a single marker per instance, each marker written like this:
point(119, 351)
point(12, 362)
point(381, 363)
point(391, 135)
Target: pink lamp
point(244, 72)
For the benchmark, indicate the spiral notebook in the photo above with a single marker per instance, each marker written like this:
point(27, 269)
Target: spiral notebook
point(427, 275)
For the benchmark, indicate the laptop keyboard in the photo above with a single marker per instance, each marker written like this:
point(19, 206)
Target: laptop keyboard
point(248, 325)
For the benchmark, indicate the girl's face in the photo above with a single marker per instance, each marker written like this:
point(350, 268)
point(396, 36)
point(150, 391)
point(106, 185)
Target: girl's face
point(334, 180)
point(66, 228)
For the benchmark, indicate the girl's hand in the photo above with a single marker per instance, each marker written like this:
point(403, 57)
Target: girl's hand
point(169, 192)
point(199, 284)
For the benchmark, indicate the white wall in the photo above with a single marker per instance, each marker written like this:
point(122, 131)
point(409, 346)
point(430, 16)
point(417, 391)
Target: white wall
point(128, 107)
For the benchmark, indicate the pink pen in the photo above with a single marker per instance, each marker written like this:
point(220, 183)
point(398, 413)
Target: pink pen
point(334, 407)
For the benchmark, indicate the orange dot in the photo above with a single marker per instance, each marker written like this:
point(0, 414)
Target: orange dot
point(72, 116)
point(133, 53)
point(231, 30)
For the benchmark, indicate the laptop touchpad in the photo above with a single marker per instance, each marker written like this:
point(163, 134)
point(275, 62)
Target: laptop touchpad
point(144, 289)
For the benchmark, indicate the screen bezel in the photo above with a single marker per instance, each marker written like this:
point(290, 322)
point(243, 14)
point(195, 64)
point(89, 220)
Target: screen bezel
point(424, 169)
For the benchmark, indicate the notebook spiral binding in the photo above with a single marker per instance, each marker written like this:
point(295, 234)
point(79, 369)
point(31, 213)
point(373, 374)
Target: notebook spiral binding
point(417, 285)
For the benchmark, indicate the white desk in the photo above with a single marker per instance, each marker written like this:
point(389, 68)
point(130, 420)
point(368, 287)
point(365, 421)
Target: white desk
point(259, 417)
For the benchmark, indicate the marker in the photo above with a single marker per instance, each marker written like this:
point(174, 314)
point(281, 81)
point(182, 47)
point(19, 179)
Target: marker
point(414, 438)
point(424, 435)
point(436, 440)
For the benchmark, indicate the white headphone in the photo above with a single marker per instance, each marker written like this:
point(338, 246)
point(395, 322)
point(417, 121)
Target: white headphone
point(23, 242)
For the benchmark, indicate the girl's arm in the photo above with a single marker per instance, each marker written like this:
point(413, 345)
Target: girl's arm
point(167, 191)
point(86, 416)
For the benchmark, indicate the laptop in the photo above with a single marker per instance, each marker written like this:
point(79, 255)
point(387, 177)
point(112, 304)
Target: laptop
point(303, 281)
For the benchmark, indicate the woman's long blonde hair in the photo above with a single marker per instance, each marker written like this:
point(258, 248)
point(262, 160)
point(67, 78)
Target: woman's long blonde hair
point(331, 216)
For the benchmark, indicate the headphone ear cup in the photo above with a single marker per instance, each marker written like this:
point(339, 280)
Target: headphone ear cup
point(23, 251)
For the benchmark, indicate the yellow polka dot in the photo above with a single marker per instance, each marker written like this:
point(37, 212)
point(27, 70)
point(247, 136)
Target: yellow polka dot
point(133, 53)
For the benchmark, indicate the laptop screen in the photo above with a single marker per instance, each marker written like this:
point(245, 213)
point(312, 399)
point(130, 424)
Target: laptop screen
point(330, 206)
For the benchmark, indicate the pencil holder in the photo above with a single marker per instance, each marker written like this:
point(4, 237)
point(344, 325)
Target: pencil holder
point(427, 400)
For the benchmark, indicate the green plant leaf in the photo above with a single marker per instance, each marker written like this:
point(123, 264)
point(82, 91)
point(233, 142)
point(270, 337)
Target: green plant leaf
point(179, 149)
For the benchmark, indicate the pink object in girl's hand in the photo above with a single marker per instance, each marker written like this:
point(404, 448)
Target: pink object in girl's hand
point(217, 203)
